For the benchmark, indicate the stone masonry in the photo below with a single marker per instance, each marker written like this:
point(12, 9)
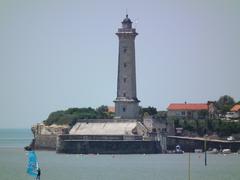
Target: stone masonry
point(126, 103)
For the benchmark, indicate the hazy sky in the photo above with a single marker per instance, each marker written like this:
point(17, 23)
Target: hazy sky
point(60, 54)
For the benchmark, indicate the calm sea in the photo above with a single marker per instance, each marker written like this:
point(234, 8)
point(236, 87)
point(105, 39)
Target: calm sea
point(15, 138)
point(110, 167)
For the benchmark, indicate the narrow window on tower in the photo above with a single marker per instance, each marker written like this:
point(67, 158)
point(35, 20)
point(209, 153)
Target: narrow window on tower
point(124, 94)
point(125, 50)
point(124, 109)
point(124, 80)
point(125, 65)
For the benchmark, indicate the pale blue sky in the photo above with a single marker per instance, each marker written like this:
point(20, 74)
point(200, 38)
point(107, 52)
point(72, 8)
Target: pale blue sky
point(57, 54)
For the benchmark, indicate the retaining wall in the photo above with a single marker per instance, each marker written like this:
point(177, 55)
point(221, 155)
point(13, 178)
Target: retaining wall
point(45, 142)
point(189, 145)
point(76, 145)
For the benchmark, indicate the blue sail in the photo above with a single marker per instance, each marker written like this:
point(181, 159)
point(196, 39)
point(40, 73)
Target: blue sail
point(32, 168)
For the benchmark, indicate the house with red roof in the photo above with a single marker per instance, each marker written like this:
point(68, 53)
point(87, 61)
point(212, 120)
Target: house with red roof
point(191, 110)
point(235, 111)
point(236, 108)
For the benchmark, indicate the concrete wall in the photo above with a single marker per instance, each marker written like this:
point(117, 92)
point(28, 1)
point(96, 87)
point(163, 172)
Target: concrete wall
point(189, 145)
point(126, 109)
point(151, 124)
point(187, 114)
point(74, 145)
point(45, 142)
point(126, 68)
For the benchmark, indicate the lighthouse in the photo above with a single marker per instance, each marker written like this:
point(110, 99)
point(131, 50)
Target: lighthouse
point(126, 102)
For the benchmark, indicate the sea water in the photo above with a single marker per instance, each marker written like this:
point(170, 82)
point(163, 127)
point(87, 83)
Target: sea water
point(13, 161)
point(15, 138)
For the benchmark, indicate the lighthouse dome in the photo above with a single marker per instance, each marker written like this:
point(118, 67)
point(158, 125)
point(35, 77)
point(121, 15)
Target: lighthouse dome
point(127, 23)
point(127, 20)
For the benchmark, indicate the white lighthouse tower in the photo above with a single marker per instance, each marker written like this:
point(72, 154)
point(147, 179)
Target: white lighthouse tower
point(126, 103)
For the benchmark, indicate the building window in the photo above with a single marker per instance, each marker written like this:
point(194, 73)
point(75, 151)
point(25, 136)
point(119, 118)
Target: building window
point(183, 113)
point(124, 109)
point(125, 65)
point(124, 94)
point(124, 79)
point(125, 50)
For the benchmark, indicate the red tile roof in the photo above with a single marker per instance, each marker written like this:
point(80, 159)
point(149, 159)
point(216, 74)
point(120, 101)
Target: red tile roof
point(187, 106)
point(236, 108)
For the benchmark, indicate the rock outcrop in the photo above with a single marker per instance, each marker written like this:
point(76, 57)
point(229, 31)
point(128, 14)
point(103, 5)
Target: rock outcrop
point(45, 137)
point(41, 129)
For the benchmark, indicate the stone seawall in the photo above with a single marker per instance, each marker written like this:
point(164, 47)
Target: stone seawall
point(190, 144)
point(45, 142)
point(123, 144)
point(77, 145)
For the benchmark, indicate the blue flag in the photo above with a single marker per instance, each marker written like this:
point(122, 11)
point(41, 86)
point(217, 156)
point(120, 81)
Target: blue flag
point(32, 168)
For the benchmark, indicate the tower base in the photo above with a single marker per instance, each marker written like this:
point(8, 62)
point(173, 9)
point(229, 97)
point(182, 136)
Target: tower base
point(126, 109)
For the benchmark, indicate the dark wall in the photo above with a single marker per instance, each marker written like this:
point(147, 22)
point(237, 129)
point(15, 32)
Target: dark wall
point(107, 146)
point(45, 142)
point(188, 145)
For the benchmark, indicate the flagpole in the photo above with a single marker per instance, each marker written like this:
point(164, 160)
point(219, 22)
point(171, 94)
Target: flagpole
point(189, 165)
point(205, 148)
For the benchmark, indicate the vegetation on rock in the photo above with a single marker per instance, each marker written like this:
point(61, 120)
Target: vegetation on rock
point(148, 110)
point(200, 127)
point(73, 115)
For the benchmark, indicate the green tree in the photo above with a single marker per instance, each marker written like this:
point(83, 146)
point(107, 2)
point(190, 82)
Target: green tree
point(103, 112)
point(187, 125)
point(225, 103)
point(176, 123)
point(53, 117)
point(229, 128)
point(209, 125)
point(73, 115)
point(203, 114)
point(150, 110)
point(161, 115)
point(102, 109)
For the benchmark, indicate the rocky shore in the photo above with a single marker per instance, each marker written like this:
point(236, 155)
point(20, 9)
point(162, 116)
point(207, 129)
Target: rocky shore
point(45, 137)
